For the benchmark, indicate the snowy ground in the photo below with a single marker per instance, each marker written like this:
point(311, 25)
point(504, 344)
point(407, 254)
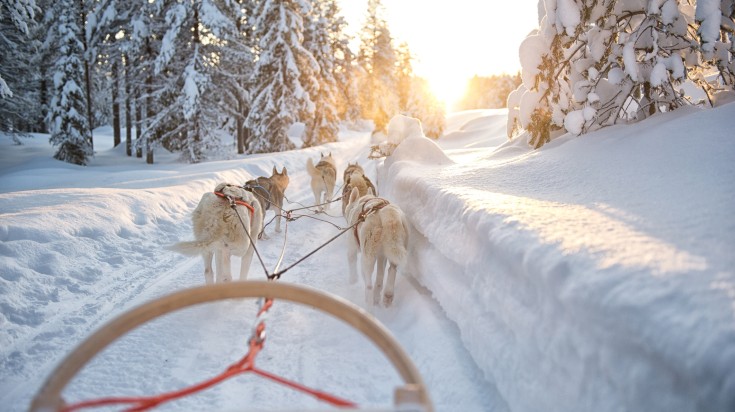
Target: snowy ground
point(594, 274)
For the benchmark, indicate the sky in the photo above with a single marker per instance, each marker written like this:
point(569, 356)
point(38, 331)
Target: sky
point(595, 273)
point(455, 40)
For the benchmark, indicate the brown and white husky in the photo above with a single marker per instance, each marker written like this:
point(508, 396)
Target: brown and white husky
point(380, 236)
point(323, 179)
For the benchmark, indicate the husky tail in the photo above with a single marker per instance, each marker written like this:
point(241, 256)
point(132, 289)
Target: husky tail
point(190, 248)
point(395, 238)
point(311, 168)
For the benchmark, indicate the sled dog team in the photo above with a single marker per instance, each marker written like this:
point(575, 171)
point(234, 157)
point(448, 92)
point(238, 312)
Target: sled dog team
point(229, 220)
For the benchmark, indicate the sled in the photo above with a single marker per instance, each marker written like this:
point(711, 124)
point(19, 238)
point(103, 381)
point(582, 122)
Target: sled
point(411, 396)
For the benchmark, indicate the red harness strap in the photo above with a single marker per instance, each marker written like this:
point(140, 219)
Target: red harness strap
point(237, 201)
point(365, 212)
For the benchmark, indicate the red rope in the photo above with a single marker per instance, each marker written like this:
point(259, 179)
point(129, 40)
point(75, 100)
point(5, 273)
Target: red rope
point(238, 202)
point(246, 364)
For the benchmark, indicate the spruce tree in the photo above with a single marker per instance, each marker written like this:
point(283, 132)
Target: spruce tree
point(69, 127)
point(322, 125)
point(377, 57)
point(279, 95)
point(20, 109)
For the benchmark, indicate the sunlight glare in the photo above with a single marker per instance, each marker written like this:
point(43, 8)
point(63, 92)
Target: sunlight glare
point(447, 87)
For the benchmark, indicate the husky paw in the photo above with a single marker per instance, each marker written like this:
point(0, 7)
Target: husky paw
point(368, 293)
point(376, 297)
point(387, 300)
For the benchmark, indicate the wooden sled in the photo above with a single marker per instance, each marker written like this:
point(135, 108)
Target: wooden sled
point(412, 395)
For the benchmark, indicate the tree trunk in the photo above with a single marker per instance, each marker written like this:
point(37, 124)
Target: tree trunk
point(128, 114)
point(148, 108)
point(43, 99)
point(138, 128)
point(87, 77)
point(240, 130)
point(115, 106)
point(148, 153)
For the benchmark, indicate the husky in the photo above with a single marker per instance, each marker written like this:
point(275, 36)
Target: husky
point(323, 179)
point(270, 191)
point(354, 176)
point(380, 236)
point(220, 230)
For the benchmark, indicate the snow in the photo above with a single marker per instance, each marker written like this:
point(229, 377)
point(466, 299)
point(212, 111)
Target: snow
point(593, 274)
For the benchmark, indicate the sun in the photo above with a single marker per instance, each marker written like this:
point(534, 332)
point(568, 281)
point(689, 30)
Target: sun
point(446, 87)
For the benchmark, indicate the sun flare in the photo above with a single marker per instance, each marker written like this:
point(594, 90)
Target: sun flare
point(446, 87)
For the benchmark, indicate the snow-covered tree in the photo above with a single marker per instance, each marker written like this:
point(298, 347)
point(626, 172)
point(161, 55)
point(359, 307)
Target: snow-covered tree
point(716, 29)
point(594, 63)
point(16, 17)
point(69, 127)
point(183, 103)
point(377, 57)
point(235, 69)
point(20, 109)
point(345, 70)
point(415, 97)
point(322, 126)
point(279, 95)
point(422, 104)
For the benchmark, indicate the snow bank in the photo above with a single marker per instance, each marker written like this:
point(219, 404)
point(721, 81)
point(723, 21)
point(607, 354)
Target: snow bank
point(595, 274)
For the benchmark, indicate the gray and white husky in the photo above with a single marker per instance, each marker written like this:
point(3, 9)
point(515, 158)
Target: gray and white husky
point(380, 236)
point(219, 231)
point(270, 191)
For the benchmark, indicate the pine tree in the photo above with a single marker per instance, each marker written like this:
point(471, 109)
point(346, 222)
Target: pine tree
point(377, 57)
point(423, 105)
point(19, 73)
point(279, 95)
point(235, 69)
point(594, 63)
point(322, 126)
point(69, 127)
point(183, 103)
point(344, 69)
point(20, 18)
point(415, 97)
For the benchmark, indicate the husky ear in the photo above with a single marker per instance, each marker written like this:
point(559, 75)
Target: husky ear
point(284, 171)
point(354, 194)
point(275, 171)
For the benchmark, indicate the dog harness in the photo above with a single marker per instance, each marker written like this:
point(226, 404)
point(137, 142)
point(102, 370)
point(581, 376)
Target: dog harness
point(237, 201)
point(377, 204)
point(254, 187)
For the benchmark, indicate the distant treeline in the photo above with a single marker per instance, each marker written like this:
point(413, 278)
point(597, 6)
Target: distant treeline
point(488, 92)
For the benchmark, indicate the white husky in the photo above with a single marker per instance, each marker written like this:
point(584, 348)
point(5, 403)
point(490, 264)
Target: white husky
point(219, 230)
point(380, 236)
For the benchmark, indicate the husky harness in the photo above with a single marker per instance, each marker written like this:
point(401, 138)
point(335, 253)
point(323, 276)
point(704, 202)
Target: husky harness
point(255, 187)
point(237, 201)
point(376, 204)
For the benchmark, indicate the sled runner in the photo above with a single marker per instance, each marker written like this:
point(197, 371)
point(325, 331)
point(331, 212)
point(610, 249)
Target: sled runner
point(411, 396)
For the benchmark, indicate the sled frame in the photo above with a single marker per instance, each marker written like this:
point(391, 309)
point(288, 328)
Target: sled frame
point(412, 394)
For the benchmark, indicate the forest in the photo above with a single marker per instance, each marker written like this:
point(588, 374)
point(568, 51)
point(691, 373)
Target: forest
point(200, 78)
